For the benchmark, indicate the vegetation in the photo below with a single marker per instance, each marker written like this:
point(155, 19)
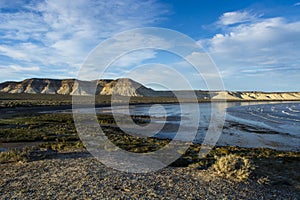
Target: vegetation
point(16, 155)
point(233, 167)
point(8, 100)
point(62, 146)
point(57, 133)
point(271, 166)
point(29, 100)
point(41, 127)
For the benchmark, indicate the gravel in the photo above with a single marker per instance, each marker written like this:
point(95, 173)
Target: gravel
point(80, 176)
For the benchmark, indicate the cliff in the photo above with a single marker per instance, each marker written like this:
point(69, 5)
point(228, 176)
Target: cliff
point(256, 96)
point(123, 87)
point(128, 87)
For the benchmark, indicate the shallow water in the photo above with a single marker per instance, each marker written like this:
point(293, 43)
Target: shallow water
point(283, 117)
point(248, 124)
point(266, 125)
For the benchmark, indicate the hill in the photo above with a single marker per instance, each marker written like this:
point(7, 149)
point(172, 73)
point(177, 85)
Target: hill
point(128, 87)
point(122, 87)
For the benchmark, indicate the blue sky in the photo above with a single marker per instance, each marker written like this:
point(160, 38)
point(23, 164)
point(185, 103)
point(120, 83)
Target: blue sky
point(254, 44)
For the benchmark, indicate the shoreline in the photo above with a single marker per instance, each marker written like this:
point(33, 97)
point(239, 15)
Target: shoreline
point(19, 112)
point(60, 170)
point(53, 107)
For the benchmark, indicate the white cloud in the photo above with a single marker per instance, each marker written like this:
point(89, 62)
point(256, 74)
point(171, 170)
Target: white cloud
point(297, 4)
point(17, 72)
point(266, 46)
point(271, 41)
point(24, 69)
point(231, 18)
point(58, 33)
point(133, 47)
point(12, 53)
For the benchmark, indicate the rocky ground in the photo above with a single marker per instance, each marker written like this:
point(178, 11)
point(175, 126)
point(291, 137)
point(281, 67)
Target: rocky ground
point(74, 174)
point(80, 176)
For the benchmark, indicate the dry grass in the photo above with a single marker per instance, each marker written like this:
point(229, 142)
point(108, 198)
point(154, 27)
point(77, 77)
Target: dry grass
point(233, 167)
point(17, 155)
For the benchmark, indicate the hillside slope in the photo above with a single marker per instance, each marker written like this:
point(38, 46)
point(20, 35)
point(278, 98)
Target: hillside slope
point(123, 87)
point(128, 87)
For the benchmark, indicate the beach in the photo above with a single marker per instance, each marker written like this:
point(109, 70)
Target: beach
point(60, 167)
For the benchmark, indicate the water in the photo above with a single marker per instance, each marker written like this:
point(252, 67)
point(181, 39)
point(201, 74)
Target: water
point(281, 118)
point(274, 126)
point(248, 124)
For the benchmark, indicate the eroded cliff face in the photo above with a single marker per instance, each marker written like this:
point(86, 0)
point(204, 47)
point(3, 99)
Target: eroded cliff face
point(122, 87)
point(128, 87)
point(256, 96)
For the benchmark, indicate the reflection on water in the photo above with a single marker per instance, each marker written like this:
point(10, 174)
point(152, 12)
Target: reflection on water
point(250, 124)
point(283, 118)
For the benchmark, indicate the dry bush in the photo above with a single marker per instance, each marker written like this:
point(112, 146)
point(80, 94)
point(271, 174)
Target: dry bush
point(233, 167)
point(263, 180)
point(21, 155)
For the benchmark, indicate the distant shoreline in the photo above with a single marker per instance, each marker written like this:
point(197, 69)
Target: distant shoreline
point(125, 87)
point(11, 104)
point(8, 100)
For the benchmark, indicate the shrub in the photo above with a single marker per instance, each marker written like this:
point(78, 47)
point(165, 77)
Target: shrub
point(233, 167)
point(15, 155)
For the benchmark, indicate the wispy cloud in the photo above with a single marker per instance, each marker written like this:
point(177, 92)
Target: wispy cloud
point(135, 58)
point(297, 4)
point(231, 18)
point(17, 72)
point(275, 69)
point(269, 41)
point(24, 69)
point(53, 34)
point(264, 46)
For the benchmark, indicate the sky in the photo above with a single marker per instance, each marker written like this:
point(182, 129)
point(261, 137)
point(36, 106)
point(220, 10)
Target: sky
point(255, 45)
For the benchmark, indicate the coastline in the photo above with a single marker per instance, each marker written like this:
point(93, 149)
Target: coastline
point(60, 169)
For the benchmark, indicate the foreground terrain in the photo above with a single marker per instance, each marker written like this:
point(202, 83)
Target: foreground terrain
point(56, 165)
point(80, 176)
